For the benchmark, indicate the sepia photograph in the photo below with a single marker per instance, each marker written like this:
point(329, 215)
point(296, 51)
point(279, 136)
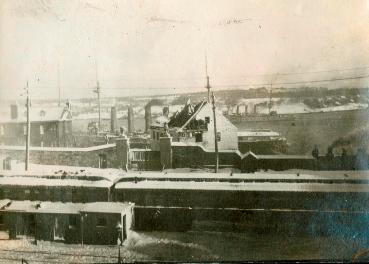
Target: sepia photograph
point(184, 131)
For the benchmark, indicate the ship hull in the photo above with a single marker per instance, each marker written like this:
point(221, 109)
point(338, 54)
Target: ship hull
point(305, 130)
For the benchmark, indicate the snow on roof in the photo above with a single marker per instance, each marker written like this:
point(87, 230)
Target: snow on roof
point(60, 171)
point(106, 207)
point(60, 208)
point(87, 149)
point(270, 175)
point(273, 157)
point(250, 186)
point(4, 203)
point(255, 133)
point(32, 181)
point(63, 208)
point(160, 121)
point(22, 206)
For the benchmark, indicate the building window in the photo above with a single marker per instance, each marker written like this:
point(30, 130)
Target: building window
point(72, 220)
point(27, 192)
point(25, 130)
point(101, 221)
point(41, 129)
point(2, 131)
point(207, 119)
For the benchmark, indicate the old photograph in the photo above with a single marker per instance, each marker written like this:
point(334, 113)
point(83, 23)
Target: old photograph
point(184, 131)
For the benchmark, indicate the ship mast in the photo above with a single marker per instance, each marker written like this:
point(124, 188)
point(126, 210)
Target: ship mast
point(98, 91)
point(270, 98)
point(207, 78)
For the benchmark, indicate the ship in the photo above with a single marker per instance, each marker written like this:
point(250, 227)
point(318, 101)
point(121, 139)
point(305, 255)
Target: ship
point(305, 130)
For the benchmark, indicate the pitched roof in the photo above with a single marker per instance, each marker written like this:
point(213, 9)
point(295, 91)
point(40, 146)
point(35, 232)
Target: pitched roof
point(37, 114)
point(4, 203)
point(281, 157)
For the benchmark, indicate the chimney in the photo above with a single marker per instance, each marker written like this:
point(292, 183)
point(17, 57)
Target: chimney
point(166, 111)
point(14, 111)
point(147, 116)
point(113, 119)
point(130, 120)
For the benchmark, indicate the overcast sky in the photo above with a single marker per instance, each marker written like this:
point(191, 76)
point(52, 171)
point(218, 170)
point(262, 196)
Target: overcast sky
point(149, 47)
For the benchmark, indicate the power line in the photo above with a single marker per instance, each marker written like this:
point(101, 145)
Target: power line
point(233, 77)
point(227, 85)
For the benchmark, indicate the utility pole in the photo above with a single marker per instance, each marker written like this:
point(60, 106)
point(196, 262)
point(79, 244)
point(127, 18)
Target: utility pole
point(28, 132)
point(207, 78)
point(215, 136)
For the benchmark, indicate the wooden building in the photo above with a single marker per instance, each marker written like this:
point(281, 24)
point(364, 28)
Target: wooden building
point(50, 127)
point(101, 223)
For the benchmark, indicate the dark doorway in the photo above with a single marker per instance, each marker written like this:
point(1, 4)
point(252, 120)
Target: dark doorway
point(124, 226)
point(103, 162)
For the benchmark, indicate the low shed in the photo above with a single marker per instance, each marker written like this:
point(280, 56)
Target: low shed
point(106, 223)
point(103, 223)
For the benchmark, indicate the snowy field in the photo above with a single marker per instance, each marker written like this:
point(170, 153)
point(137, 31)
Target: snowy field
point(186, 246)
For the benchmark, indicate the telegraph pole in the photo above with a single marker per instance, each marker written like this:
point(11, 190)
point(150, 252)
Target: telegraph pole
point(28, 132)
point(215, 136)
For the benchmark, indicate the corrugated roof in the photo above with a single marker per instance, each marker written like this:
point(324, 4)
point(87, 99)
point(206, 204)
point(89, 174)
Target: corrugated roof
point(187, 114)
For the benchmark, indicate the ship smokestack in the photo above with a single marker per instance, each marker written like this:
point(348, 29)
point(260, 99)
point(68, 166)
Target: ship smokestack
point(113, 119)
point(130, 120)
point(238, 110)
point(147, 117)
point(166, 111)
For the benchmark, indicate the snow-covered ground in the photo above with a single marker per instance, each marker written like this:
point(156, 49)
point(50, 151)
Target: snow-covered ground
point(186, 246)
